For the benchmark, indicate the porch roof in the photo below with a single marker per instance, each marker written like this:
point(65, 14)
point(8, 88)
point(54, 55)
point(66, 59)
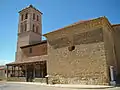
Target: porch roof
point(29, 60)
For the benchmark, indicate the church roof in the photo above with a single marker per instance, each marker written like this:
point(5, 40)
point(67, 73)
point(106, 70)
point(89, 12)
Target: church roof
point(116, 25)
point(42, 42)
point(74, 24)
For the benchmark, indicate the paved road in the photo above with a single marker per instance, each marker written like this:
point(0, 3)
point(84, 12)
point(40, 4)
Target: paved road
point(11, 86)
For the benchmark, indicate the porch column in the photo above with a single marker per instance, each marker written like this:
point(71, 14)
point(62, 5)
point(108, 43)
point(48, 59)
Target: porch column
point(25, 70)
point(40, 69)
point(12, 71)
point(34, 70)
point(7, 71)
point(18, 71)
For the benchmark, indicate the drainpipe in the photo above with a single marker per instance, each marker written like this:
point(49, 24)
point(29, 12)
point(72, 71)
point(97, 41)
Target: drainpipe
point(47, 78)
point(112, 76)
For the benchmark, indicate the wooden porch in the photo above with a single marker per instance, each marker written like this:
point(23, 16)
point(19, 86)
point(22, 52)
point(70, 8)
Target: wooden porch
point(29, 70)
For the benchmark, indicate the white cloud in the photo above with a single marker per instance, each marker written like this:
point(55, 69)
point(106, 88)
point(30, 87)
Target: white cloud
point(3, 62)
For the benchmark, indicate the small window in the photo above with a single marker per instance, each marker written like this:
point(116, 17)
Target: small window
point(30, 50)
point(25, 27)
point(26, 15)
point(33, 28)
point(33, 16)
point(71, 48)
point(21, 17)
point(37, 18)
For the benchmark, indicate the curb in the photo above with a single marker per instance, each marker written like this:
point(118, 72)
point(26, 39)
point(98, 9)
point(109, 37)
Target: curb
point(81, 86)
point(66, 86)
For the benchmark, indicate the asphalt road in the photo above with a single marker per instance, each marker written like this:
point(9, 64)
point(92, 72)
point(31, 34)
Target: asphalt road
point(11, 86)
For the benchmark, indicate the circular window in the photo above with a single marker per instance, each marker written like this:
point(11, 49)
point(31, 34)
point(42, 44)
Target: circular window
point(71, 48)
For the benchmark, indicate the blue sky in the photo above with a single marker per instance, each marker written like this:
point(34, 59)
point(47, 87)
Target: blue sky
point(56, 14)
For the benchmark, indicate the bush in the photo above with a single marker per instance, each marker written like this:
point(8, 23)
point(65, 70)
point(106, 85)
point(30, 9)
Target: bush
point(56, 81)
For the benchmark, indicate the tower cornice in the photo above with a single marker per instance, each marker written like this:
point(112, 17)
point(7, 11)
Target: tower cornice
point(30, 6)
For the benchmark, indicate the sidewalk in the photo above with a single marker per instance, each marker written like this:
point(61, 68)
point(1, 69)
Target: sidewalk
point(3, 81)
point(74, 86)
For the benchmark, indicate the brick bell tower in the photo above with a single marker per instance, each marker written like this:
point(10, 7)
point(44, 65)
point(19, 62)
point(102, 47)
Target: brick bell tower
point(29, 29)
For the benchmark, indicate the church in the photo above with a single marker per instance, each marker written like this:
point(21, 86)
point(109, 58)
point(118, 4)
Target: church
point(85, 52)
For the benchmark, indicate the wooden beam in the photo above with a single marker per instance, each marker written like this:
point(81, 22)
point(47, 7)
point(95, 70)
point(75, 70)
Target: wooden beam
point(14, 71)
point(33, 70)
point(40, 69)
point(25, 70)
point(7, 71)
point(18, 70)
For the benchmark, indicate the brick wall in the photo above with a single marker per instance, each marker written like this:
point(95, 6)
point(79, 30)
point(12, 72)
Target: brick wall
point(37, 50)
point(28, 36)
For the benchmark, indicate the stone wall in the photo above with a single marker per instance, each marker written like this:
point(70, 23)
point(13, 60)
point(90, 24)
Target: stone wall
point(23, 79)
point(86, 64)
point(109, 45)
point(116, 34)
point(40, 80)
point(19, 79)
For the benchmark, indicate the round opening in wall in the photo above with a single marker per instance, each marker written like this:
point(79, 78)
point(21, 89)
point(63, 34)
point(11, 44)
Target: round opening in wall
point(71, 48)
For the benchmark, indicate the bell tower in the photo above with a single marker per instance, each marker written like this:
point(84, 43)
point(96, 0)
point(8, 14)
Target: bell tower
point(29, 28)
